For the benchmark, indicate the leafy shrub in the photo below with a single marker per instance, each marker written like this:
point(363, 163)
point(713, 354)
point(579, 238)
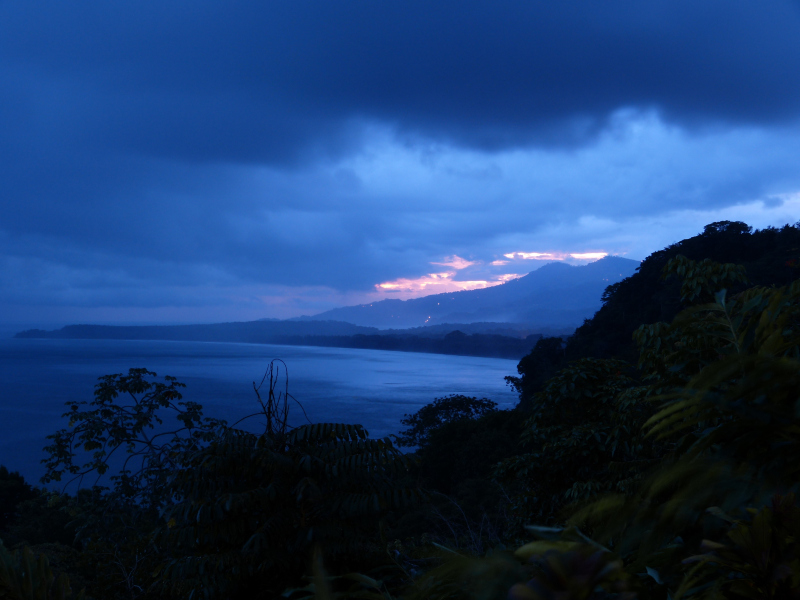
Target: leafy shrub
point(441, 411)
point(25, 576)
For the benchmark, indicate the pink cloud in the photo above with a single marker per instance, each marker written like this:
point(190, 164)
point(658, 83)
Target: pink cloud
point(507, 277)
point(556, 255)
point(455, 262)
point(535, 255)
point(445, 281)
point(432, 283)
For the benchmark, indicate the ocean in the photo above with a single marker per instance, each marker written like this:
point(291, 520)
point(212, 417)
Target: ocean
point(371, 387)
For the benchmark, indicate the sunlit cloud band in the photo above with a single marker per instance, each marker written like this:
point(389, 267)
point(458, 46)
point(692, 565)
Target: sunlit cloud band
point(555, 255)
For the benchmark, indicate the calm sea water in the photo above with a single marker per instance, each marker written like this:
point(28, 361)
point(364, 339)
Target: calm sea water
point(371, 387)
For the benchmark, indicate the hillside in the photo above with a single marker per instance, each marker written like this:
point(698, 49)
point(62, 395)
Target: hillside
point(484, 339)
point(770, 257)
point(502, 321)
point(556, 296)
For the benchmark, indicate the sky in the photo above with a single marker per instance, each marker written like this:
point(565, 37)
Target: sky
point(175, 162)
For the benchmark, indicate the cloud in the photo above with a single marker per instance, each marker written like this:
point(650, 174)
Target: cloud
point(282, 83)
point(432, 283)
point(455, 262)
point(232, 160)
point(534, 255)
point(549, 256)
point(381, 215)
point(589, 255)
point(508, 277)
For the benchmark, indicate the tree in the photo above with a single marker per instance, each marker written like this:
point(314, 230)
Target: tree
point(14, 490)
point(580, 424)
point(203, 507)
point(546, 359)
point(727, 376)
point(251, 508)
point(646, 297)
point(432, 416)
point(125, 421)
point(26, 576)
point(715, 515)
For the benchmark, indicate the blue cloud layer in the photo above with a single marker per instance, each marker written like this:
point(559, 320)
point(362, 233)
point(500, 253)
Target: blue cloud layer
point(286, 156)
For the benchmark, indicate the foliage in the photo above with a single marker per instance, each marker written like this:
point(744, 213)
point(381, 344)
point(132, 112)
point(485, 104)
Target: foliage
point(582, 427)
point(701, 280)
point(13, 491)
point(350, 586)
point(707, 433)
point(463, 453)
point(681, 472)
point(248, 509)
point(137, 431)
point(728, 377)
point(467, 510)
point(252, 507)
point(25, 576)
point(211, 509)
point(767, 255)
point(576, 574)
point(735, 372)
point(41, 519)
point(126, 415)
point(761, 558)
point(537, 368)
point(441, 411)
point(468, 578)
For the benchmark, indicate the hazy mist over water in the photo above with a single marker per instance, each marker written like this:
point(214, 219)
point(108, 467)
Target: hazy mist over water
point(371, 387)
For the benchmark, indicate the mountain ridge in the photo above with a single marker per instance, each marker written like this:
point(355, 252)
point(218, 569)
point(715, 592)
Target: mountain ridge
point(555, 296)
point(501, 321)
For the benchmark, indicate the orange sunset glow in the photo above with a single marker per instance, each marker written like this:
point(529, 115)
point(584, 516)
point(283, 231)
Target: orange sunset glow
point(456, 262)
point(482, 273)
point(556, 255)
point(433, 283)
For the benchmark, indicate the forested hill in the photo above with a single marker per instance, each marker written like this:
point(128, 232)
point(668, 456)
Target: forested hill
point(496, 340)
point(254, 332)
point(557, 295)
point(771, 256)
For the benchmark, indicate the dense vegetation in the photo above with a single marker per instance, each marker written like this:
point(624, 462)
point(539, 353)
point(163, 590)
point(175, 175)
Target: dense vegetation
point(456, 342)
point(769, 256)
point(672, 475)
point(442, 339)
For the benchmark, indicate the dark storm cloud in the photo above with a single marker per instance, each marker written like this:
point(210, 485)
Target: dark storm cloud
point(182, 145)
point(270, 81)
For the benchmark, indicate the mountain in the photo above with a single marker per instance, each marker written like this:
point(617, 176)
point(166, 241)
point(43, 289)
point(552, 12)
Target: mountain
point(502, 321)
point(555, 296)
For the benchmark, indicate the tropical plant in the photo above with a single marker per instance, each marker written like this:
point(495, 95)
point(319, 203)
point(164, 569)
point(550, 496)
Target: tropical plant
point(727, 376)
point(14, 490)
point(127, 417)
point(761, 559)
point(700, 280)
point(441, 411)
point(546, 359)
point(581, 423)
point(251, 508)
point(768, 255)
point(26, 576)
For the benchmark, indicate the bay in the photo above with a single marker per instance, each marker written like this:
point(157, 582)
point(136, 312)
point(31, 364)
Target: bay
point(371, 387)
